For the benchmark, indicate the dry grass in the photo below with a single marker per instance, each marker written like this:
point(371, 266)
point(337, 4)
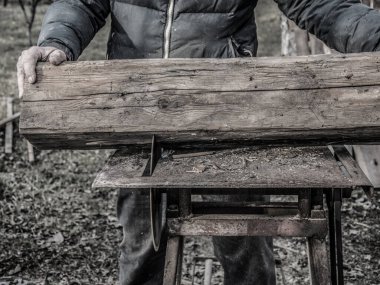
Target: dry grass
point(53, 228)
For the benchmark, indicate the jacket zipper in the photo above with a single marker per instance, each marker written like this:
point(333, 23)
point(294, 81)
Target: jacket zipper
point(168, 28)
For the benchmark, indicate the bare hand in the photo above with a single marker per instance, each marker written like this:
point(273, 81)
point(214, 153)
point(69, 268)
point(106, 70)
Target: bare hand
point(26, 65)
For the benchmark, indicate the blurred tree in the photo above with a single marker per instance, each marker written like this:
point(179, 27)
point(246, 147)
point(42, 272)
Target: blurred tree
point(372, 3)
point(30, 15)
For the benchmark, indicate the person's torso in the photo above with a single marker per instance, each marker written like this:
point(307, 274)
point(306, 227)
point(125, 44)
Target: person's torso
point(182, 28)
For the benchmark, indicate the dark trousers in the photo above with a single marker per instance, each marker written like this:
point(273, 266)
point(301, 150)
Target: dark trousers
point(245, 260)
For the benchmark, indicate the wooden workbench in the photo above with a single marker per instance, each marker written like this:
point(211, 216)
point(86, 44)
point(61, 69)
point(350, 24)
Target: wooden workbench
point(311, 173)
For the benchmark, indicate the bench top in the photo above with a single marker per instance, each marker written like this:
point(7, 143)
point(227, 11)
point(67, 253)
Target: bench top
point(245, 168)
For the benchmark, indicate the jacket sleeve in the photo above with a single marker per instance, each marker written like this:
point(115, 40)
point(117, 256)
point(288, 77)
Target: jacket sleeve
point(70, 25)
point(344, 25)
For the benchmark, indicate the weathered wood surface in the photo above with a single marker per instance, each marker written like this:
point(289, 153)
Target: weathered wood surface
point(31, 156)
point(296, 41)
point(173, 255)
point(318, 262)
point(319, 265)
point(5, 121)
point(249, 168)
point(351, 167)
point(248, 225)
point(3, 107)
point(315, 99)
point(372, 3)
point(368, 158)
point(272, 208)
point(8, 146)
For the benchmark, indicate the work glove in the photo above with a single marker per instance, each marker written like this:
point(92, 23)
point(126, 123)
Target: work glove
point(27, 62)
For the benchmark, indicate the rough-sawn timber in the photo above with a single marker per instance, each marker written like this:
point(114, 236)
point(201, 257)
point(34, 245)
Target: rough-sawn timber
point(304, 100)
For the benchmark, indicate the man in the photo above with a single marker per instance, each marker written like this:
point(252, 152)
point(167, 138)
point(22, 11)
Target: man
point(189, 28)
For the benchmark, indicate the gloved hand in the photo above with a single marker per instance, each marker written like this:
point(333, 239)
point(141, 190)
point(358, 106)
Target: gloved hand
point(26, 65)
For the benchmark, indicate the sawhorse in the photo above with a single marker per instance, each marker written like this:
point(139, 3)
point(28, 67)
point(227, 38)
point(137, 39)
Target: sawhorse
point(311, 173)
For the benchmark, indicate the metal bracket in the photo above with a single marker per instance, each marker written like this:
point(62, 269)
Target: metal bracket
point(155, 154)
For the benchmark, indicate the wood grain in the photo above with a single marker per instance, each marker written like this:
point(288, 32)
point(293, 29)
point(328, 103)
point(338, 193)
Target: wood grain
point(248, 168)
point(172, 259)
point(318, 258)
point(310, 99)
point(5, 121)
point(368, 157)
point(8, 146)
point(352, 167)
point(3, 107)
point(247, 225)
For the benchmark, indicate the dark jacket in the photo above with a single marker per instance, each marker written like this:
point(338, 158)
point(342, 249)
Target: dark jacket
point(200, 28)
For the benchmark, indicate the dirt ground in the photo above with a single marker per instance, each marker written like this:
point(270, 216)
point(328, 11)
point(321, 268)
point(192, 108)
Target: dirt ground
point(55, 229)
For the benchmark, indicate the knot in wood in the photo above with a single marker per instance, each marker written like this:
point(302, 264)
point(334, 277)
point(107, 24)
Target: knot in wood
point(163, 103)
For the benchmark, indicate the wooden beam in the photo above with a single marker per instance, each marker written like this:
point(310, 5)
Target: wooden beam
point(372, 3)
point(8, 147)
point(9, 119)
point(31, 156)
point(317, 256)
point(294, 41)
point(368, 158)
point(248, 225)
point(172, 259)
point(351, 168)
point(3, 107)
point(311, 99)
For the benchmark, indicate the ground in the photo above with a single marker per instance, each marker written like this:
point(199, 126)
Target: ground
point(55, 229)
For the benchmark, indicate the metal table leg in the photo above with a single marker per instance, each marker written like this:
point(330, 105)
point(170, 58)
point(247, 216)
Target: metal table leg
point(330, 206)
point(334, 203)
point(338, 232)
